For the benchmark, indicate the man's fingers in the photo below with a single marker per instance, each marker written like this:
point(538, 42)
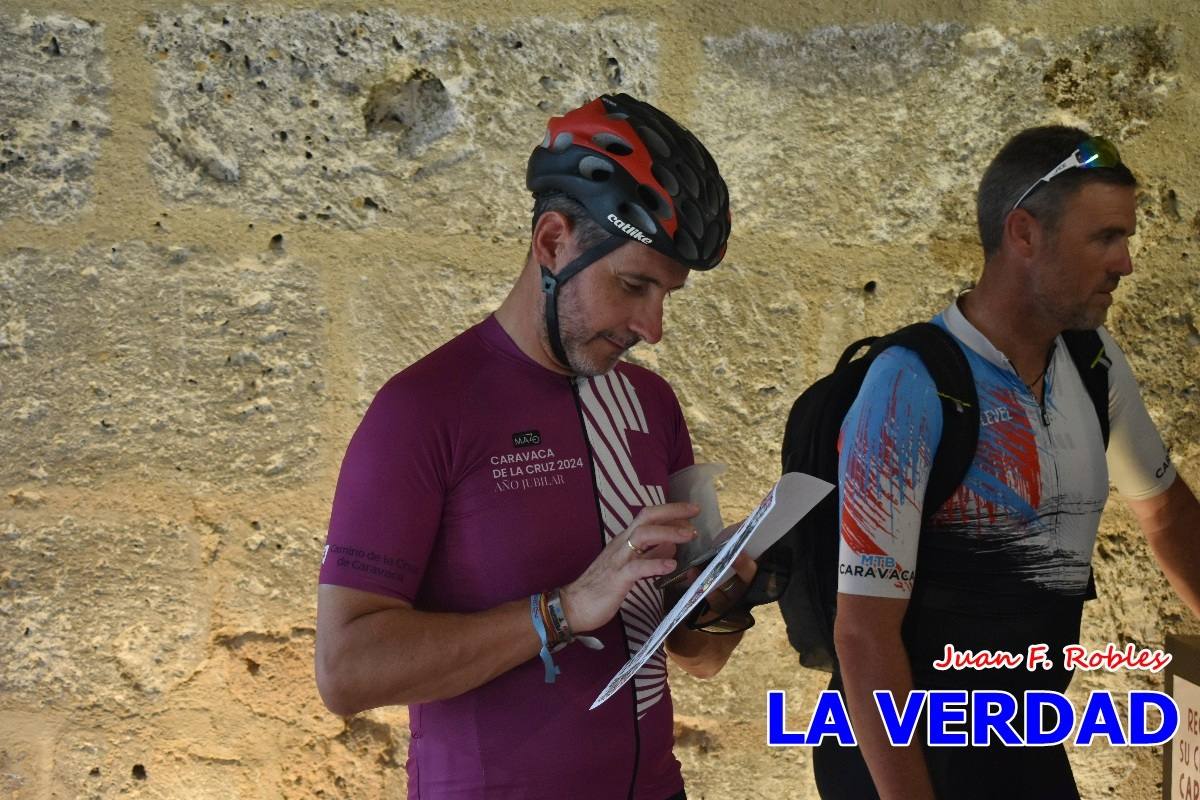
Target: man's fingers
point(647, 537)
point(745, 567)
point(666, 550)
point(666, 513)
point(641, 568)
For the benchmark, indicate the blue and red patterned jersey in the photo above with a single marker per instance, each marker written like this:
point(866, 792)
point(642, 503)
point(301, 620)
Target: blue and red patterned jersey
point(1024, 520)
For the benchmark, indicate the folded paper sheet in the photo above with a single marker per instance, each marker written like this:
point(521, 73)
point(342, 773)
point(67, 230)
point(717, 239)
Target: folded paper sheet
point(793, 496)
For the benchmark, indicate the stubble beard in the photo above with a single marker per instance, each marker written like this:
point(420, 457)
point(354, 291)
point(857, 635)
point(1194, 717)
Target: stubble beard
point(575, 336)
point(1067, 316)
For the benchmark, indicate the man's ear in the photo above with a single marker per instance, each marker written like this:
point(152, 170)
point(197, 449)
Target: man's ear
point(552, 240)
point(1023, 234)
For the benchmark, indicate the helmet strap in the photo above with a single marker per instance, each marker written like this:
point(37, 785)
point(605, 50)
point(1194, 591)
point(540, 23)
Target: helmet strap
point(552, 282)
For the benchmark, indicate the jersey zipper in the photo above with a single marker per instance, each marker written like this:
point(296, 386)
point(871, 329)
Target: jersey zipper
point(637, 738)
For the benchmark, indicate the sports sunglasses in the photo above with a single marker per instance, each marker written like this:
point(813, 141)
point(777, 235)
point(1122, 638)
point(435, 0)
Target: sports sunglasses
point(1090, 154)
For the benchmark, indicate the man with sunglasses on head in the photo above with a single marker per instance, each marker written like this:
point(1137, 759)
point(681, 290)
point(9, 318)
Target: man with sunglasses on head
point(1005, 563)
point(501, 511)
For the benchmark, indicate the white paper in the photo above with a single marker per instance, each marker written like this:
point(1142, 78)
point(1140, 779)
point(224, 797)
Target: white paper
point(696, 484)
point(792, 496)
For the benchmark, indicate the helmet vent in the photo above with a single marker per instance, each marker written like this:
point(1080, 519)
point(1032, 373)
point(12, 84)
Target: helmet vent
point(691, 183)
point(665, 177)
point(653, 202)
point(595, 169)
point(561, 142)
point(691, 217)
point(613, 144)
point(685, 244)
point(632, 212)
point(654, 142)
point(712, 240)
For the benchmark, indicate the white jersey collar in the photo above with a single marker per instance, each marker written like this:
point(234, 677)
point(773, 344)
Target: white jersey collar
point(962, 329)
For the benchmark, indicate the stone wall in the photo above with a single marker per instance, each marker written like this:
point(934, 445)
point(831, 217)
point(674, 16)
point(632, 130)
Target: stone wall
point(222, 227)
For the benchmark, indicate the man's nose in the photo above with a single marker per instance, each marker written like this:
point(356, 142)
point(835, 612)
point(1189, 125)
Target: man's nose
point(1125, 266)
point(647, 322)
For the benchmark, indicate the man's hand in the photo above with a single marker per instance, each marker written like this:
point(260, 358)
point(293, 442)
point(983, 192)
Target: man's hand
point(646, 549)
point(374, 650)
point(703, 654)
point(724, 597)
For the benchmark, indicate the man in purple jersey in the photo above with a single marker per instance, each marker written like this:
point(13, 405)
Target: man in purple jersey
point(505, 495)
point(1005, 563)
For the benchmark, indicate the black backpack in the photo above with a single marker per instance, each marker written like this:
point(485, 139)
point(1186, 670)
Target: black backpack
point(808, 553)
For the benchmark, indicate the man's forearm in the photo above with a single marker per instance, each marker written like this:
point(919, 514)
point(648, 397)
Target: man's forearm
point(399, 656)
point(1171, 523)
point(899, 773)
point(701, 654)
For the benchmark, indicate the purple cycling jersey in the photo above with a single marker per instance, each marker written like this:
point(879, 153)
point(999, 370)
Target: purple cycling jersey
point(478, 477)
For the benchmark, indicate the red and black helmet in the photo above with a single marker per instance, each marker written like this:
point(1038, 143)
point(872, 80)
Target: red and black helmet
point(639, 174)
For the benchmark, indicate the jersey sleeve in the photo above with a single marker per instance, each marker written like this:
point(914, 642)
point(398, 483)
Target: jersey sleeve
point(1138, 462)
point(388, 502)
point(886, 448)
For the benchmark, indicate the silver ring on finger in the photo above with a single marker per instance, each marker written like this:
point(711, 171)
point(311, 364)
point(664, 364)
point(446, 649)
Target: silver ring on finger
point(639, 550)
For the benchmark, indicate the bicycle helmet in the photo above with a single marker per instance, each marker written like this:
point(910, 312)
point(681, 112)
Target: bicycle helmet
point(641, 176)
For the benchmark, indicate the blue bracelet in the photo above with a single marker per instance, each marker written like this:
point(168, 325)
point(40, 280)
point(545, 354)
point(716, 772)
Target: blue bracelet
point(535, 613)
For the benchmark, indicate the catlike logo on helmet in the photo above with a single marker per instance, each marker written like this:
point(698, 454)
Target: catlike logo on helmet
point(636, 233)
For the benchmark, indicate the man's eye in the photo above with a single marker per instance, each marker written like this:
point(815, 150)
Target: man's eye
point(633, 288)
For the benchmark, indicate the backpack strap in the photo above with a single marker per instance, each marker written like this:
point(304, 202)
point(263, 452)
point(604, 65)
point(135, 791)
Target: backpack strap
point(951, 373)
point(1087, 351)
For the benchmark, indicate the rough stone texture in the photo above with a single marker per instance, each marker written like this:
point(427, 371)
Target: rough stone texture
point(161, 360)
point(743, 341)
point(53, 114)
point(100, 615)
point(880, 133)
point(720, 728)
point(26, 752)
point(267, 571)
point(174, 412)
point(415, 305)
point(373, 118)
point(1159, 316)
point(267, 737)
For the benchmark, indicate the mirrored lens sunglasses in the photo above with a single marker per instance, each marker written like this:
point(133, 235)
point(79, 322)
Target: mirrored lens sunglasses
point(1090, 154)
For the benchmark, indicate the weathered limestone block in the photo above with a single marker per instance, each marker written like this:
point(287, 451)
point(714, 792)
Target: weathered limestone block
point(720, 724)
point(103, 614)
point(168, 757)
point(880, 133)
point(401, 310)
point(54, 91)
point(744, 340)
point(268, 573)
point(159, 360)
point(26, 752)
point(373, 117)
point(362, 756)
point(247, 723)
point(1156, 322)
